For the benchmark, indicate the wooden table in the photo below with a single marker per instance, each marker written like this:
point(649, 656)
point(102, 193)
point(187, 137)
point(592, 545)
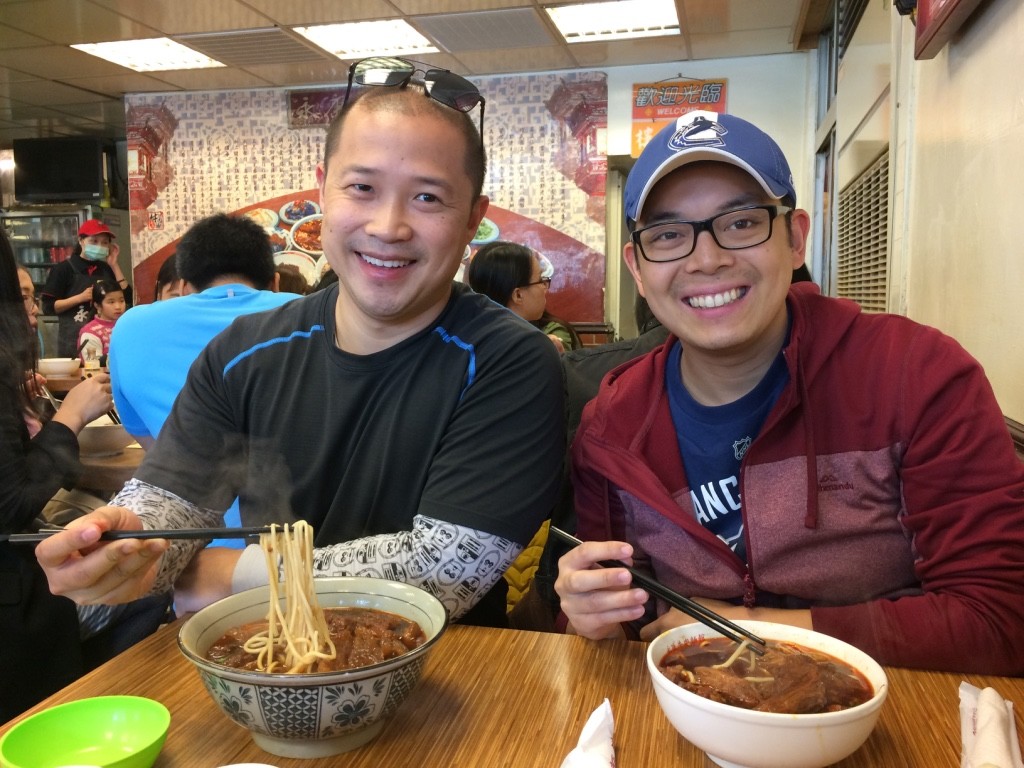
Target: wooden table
point(61, 385)
point(106, 475)
point(491, 697)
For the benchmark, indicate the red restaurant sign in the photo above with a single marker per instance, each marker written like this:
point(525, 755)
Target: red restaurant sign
point(657, 104)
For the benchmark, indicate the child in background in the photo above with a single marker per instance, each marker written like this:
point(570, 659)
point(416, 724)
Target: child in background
point(109, 304)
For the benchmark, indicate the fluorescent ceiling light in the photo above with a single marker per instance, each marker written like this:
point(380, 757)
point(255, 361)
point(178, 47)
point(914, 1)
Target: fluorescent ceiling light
point(617, 20)
point(153, 55)
point(368, 38)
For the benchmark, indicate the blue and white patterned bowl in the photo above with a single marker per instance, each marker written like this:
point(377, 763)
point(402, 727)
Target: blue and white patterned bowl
point(326, 713)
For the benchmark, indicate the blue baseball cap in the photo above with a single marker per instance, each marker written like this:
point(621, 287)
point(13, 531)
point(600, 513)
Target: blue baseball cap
point(714, 136)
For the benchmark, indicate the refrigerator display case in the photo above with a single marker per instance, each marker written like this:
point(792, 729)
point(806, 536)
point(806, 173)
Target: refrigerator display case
point(43, 236)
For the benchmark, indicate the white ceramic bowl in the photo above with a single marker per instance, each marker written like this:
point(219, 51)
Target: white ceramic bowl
point(312, 242)
point(319, 714)
point(99, 439)
point(305, 263)
point(741, 738)
point(58, 366)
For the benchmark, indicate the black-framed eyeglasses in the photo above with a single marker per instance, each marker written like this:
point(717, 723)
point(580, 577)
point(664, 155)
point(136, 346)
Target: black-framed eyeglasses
point(732, 230)
point(545, 281)
point(441, 85)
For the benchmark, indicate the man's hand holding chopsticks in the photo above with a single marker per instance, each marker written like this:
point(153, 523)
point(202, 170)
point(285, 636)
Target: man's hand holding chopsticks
point(598, 600)
point(89, 571)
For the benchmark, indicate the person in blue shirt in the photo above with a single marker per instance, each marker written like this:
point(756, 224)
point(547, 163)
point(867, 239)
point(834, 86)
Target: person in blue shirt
point(227, 266)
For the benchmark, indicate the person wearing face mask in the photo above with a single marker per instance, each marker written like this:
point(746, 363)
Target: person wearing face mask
point(68, 289)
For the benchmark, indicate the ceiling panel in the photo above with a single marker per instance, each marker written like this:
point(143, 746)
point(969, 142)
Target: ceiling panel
point(49, 92)
point(73, 21)
point(16, 38)
point(126, 82)
point(58, 62)
point(77, 91)
point(221, 78)
point(187, 16)
point(415, 7)
point(735, 43)
point(304, 12)
point(503, 60)
point(486, 30)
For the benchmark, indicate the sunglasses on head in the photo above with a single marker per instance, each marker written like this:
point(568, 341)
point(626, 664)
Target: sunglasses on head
point(441, 85)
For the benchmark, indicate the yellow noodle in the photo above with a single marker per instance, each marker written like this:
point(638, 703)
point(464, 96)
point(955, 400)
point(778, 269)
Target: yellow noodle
point(296, 635)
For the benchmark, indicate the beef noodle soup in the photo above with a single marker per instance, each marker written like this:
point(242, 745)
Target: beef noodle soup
point(360, 637)
point(788, 678)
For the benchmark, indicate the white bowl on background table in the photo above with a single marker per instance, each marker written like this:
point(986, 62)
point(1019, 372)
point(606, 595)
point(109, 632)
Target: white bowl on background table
point(103, 437)
point(58, 366)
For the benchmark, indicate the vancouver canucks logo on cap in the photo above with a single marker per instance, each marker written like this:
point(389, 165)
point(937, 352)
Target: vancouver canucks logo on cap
point(700, 131)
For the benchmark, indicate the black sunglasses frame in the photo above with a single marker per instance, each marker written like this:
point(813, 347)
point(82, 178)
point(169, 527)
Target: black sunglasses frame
point(443, 86)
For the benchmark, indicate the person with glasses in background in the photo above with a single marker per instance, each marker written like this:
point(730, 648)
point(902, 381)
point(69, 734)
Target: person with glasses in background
point(416, 425)
point(510, 274)
point(785, 456)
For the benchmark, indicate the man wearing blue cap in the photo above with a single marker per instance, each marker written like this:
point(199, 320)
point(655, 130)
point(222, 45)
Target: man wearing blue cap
point(784, 456)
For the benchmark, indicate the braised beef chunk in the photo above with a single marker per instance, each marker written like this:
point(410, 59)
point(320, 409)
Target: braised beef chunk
point(727, 688)
point(361, 636)
point(797, 686)
point(787, 679)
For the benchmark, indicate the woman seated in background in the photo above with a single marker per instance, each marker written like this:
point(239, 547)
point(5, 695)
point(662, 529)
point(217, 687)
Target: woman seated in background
point(109, 303)
point(511, 275)
point(41, 651)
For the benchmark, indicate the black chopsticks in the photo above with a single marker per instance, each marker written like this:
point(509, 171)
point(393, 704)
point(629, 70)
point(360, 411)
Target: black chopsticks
point(705, 616)
point(170, 533)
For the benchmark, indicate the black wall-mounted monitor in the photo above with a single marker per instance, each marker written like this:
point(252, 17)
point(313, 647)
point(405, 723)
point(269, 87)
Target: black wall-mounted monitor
point(58, 170)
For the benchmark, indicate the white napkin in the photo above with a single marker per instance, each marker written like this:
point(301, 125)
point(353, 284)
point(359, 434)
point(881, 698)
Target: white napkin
point(987, 730)
point(595, 748)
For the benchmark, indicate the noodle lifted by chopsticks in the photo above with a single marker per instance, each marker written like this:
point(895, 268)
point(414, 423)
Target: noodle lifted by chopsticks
point(297, 628)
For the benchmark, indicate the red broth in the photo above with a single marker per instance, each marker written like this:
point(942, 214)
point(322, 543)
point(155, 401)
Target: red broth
point(362, 636)
point(789, 678)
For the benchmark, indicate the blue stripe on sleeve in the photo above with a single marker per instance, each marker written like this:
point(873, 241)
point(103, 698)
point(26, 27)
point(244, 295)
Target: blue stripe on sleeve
point(270, 342)
point(471, 366)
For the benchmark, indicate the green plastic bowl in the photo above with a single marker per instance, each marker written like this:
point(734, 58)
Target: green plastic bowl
point(106, 731)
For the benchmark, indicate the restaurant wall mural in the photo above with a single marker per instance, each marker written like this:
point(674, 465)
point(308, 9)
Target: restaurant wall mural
point(254, 152)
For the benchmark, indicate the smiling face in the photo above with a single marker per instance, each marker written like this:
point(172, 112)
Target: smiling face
point(398, 212)
point(727, 307)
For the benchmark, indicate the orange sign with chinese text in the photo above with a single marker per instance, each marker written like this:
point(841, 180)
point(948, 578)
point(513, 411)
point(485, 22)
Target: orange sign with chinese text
point(657, 104)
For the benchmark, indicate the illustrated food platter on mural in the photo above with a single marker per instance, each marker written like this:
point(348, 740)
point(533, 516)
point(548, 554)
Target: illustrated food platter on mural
point(295, 227)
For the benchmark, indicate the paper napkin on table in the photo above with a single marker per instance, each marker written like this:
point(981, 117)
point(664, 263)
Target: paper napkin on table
point(987, 730)
point(595, 748)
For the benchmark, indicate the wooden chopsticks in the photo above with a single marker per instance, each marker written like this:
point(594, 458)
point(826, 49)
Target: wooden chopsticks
point(705, 616)
point(171, 533)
